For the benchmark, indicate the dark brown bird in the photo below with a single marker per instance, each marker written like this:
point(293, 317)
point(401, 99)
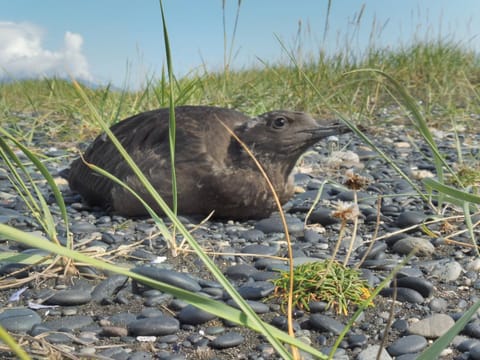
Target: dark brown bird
point(213, 171)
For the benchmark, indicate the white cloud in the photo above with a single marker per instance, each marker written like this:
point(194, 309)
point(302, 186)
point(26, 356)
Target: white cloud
point(23, 56)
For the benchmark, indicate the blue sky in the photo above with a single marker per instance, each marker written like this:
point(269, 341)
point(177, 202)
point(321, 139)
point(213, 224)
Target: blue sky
point(95, 40)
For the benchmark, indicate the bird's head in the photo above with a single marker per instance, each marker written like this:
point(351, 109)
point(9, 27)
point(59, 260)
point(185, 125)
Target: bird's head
point(283, 136)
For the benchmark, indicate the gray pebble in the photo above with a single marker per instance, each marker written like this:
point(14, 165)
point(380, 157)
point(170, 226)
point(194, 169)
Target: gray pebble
point(410, 218)
point(252, 235)
point(69, 322)
point(432, 327)
point(259, 249)
point(257, 306)
point(371, 352)
point(193, 316)
point(154, 326)
point(447, 272)
point(228, 340)
point(423, 286)
point(171, 277)
point(403, 294)
point(322, 216)
point(19, 320)
point(475, 353)
point(422, 247)
point(108, 287)
point(274, 224)
point(240, 271)
point(407, 344)
point(256, 290)
point(82, 227)
point(70, 297)
point(325, 323)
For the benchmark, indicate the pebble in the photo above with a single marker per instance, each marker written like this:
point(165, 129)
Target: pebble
point(371, 352)
point(228, 340)
point(82, 227)
point(194, 316)
point(70, 297)
point(274, 224)
point(410, 218)
point(421, 246)
point(423, 286)
point(325, 323)
point(154, 326)
point(403, 294)
point(447, 272)
point(108, 287)
point(432, 327)
point(171, 277)
point(407, 344)
point(19, 320)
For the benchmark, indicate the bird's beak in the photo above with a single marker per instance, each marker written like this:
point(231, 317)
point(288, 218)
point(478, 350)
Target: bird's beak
point(322, 131)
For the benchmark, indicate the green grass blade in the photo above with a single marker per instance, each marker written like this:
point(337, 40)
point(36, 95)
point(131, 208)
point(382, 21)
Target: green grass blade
point(171, 125)
point(451, 191)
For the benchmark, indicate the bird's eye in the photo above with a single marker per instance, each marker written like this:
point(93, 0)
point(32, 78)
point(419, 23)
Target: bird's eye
point(279, 123)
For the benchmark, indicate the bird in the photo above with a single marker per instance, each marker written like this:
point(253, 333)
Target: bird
point(214, 172)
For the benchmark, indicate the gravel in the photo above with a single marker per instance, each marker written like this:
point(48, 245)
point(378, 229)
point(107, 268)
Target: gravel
point(109, 315)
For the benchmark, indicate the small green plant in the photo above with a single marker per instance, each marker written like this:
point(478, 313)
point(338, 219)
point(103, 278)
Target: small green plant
point(338, 285)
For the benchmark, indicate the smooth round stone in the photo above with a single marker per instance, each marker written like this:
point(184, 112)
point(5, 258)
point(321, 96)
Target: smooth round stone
point(265, 275)
point(154, 326)
point(423, 286)
point(240, 271)
point(140, 355)
point(58, 338)
point(122, 319)
point(317, 306)
point(69, 322)
point(432, 327)
point(16, 269)
point(259, 249)
point(475, 353)
point(108, 287)
point(371, 353)
point(403, 295)
point(325, 323)
point(19, 320)
point(70, 297)
point(357, 340)
point(472, 329)
point(422, 247)
point(168, 339)
point(312, 236)
point(256, 290)
point(410, 218)
point(447, 272)
point(274, 224)
point(171, 277)
point(257, 306)
point(252, 235)
point(228, 340)
point(322, 216)
point(377, 249)
point(407, 344)
point(82, 227)
point(468, 344)
point(193, 316)
point(438, 305)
